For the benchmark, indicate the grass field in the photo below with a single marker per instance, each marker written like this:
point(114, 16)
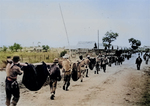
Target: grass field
point(31, 57)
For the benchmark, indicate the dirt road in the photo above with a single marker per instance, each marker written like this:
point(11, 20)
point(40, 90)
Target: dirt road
point(119, 86)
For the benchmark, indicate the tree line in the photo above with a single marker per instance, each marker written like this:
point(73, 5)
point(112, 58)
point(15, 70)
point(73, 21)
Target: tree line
point(107, 43)
point(15, 47)
point(111, 36)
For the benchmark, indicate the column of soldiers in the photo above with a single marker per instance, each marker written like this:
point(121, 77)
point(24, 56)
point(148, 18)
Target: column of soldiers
point(13, 69)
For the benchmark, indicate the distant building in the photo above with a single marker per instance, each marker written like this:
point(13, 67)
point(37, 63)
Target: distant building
point(83, 47)
point(88, 47)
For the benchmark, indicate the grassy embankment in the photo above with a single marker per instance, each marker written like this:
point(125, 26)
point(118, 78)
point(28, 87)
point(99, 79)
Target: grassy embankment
point(140, 89)
point(145, 101)
point(30, 57)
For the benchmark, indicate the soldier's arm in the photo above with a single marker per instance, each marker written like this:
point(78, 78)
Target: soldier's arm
point(19, 71)
point(23, 64)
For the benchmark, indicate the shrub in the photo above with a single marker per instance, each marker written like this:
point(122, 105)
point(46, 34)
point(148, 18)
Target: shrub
point(63, 53)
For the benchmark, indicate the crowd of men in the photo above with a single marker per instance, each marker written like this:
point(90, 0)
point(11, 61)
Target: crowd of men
point(67, 68)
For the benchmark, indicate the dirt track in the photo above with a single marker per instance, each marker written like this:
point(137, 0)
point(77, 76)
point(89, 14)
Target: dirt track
point(119, 86)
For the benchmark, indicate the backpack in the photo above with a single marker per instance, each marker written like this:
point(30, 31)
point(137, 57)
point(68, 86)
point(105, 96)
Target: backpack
point(54, 72)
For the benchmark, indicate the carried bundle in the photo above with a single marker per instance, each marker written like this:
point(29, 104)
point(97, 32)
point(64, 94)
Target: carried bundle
point(34, 76)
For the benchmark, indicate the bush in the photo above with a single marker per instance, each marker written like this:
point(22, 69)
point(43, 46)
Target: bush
point(63, 53)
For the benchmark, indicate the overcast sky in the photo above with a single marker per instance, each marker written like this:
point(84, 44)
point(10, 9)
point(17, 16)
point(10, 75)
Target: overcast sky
point(28, 22)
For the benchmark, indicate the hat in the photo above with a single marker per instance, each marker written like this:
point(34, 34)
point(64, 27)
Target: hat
point(55, 60)
point(88, 55)
point(16, 58)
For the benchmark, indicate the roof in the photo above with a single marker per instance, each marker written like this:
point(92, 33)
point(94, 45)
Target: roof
point(86, 44)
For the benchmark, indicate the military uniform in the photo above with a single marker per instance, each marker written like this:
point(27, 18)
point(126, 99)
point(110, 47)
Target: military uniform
point(67, 73)
point(138, 62)
point(54, 77)
point(103, 63)
point(12, 88)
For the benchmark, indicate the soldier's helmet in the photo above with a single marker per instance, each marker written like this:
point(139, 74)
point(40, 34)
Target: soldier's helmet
point(16, 59)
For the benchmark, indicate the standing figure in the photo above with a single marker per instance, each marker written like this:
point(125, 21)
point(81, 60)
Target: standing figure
point(66, 65)
point(86, 65)
point(147, 58)
point(104, 62)
point(138, 62)
point(12, 88)
point(98, 63)
point(54, 77)
point(96, 68)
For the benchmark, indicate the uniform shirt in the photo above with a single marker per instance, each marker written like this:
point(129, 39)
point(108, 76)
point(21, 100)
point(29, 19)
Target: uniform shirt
point(104, 61)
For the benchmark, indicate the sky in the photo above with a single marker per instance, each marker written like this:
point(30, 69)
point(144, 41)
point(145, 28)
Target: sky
point(40, 22)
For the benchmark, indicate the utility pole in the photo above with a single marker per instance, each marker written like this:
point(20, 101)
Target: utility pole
point(98, 40)
point(65, 29)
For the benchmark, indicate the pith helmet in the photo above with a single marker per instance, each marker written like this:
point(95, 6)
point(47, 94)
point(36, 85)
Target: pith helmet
point(55, 60)
point(16, 58)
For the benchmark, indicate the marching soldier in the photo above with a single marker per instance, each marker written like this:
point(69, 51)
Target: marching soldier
point(54, 77)
point(12, 88)
point(138, 62)
point(104, 62)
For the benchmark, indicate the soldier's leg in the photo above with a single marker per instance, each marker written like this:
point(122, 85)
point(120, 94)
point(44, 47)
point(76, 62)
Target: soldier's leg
point(8, 92)
point(68, 82)
point(54, 85)
point(87, 72)
point(97, 69)
point(16, 94)
point(50, 84)
point(8, 97)
point(137, 66)
point(82, 75)
point(104, 68)
point(65, 81)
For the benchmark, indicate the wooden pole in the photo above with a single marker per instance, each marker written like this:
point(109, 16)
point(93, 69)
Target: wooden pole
point(98, 40)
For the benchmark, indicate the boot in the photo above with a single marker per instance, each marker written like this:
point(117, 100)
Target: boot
point(64, 87)
point(52, 96)
point(7, 102)
point(68, 84)
point(12, 104)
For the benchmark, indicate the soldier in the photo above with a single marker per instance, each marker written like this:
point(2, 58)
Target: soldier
point(138, 62)
point(147, 58)
point(12, 70)
point(104, 62)
point(66, 65)
point(98, 63)
point(86, 67)
point(54, 77)
point(82, 67)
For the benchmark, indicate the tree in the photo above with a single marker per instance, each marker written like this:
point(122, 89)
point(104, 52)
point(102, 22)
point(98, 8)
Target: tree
point(109, 38)
point(45, 47)
point(134, 43)
point(11, 48)
point(15, 47)
point(63, 53)
point(4, 49)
